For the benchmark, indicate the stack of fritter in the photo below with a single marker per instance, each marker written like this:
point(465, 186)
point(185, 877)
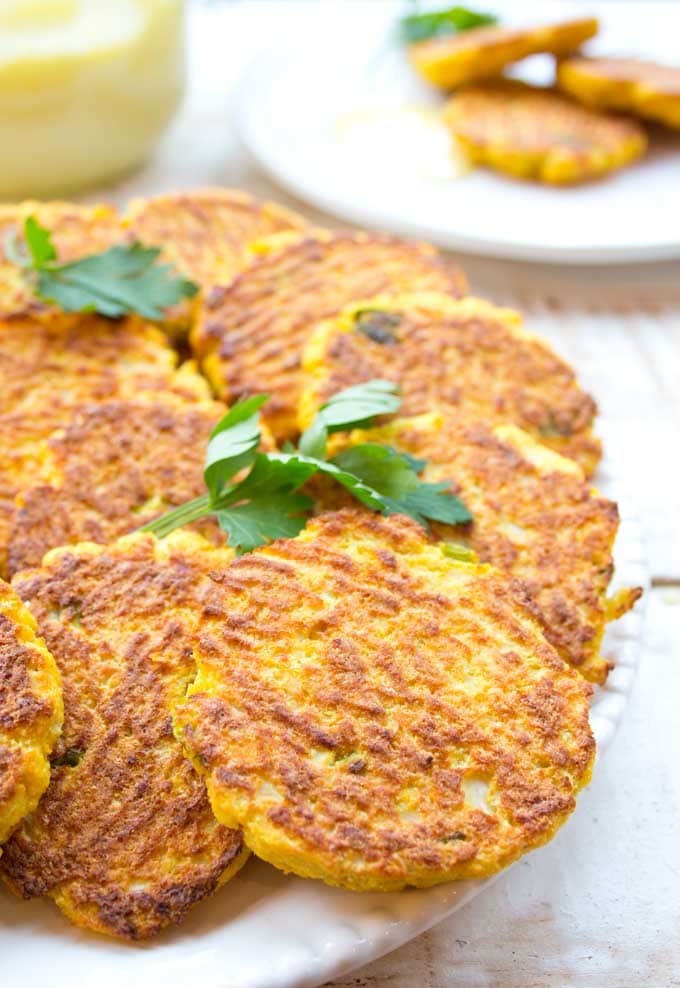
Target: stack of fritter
point(354, 704)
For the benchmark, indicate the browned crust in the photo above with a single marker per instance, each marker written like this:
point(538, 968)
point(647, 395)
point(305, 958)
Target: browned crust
point(253, 331)
point(49, 368)
point(663, 79)
point(205, 232)
point(540, 522)
point(30, 712)
point(115, 467)
point(124, 840)
point(467, 359)
point(527, 120)
point(77, 231)
point(389, 683)
point(452, 60)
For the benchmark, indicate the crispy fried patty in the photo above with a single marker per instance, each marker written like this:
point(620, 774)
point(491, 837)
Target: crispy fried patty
point(376, 715)
point(646, 89)
point(538, 134)
point(124, 839)
point(77, 231)
point(534, 516)
point(251, 334)
point(205, 233)
point(466, 356)
point(449, 61)
point(31, 712)
point(47, 369)
point(112, 469)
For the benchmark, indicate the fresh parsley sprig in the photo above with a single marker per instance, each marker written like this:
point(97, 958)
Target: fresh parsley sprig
point(122, 280)
point(267, 504)
point(420, 27)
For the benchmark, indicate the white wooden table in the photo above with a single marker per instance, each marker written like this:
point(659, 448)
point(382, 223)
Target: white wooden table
point(600, 906)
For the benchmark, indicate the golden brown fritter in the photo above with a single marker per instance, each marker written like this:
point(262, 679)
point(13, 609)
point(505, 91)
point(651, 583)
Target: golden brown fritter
point(77, 231)
point(538, 134)
point(124, 839)
point(205, 234)
point(376, 715)
point(645, 89)
point(449, 61)
point(115, 467)
point(534, 516)
point(31, 712)
point(251, 334)
point(466, 356)
point(49, 368)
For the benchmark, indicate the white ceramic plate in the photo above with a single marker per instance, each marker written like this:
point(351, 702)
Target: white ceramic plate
point(327, 122)
point(266, 930)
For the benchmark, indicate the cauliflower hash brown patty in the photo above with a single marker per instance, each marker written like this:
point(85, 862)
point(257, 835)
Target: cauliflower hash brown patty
point(205, 233)
point(535, 133)
point(534, 516)
point(645, 89)
point(48, 369)
point(376, 715)
point(76, 232)
point(115, 467)
point(449, 61)
point(124, 839)
point(462, 357)
point(251, 334)
point(31, 712)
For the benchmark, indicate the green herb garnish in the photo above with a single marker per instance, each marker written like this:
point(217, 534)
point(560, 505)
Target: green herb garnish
point(267, 504)
point(122, 280)
point(70, 757)
point(420, 27)
point(379, 326)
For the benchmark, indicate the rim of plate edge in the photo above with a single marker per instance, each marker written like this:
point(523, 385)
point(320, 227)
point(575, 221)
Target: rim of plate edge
point(252, 89)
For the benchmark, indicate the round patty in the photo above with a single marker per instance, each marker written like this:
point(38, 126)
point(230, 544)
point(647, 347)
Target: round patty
point(464, 357)
point(50, 368)
point(646, 89)
point(31, 712)
point(376, 715)
point(534, 516)
point(538, 134)
point(76, 231)
point(124, 839)
point(451, 60)
point(251, 334)
point(115, 467)
point(204, 234)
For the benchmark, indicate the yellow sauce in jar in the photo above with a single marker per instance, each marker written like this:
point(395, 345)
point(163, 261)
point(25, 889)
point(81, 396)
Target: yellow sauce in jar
point(86, 89)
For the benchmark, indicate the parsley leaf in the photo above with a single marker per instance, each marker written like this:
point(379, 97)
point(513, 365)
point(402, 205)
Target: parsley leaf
point(122, 280)
point(352, 408)
point(419, 27)
point(392, 475)
point(434, 502)
point(264, 506)
point(379, 467)
point(233, 443)
point(357, 406)
point(263, 519)
point(267, 504)
point(39, 242)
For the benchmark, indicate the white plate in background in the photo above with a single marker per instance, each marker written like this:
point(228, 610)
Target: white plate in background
point(294, 113)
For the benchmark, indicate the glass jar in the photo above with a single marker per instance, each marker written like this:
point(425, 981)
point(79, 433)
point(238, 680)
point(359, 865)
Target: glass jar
point(86, 89)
